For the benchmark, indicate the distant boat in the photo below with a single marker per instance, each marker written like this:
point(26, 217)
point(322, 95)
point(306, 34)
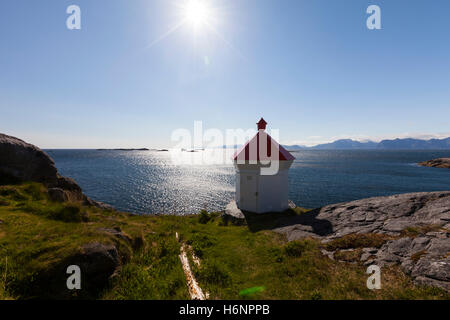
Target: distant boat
point(193, 150)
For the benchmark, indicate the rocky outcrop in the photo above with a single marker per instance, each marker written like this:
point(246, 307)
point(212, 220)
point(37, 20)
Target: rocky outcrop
point(21, 161)
point(426, 258)
point(437, 163)
point(98, 263)
point(25, 162)
point(416, 227)
point(233, 215)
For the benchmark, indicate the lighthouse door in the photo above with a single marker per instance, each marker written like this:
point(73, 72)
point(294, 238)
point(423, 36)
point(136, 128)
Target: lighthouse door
point(249, 193)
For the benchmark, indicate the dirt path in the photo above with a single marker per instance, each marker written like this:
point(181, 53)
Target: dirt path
point(195, 291)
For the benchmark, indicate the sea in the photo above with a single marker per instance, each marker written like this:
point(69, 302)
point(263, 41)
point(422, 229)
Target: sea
point(167, 182)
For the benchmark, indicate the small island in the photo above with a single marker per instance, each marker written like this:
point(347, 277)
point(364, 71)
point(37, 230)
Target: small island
point(121, 149)
point(437, 163)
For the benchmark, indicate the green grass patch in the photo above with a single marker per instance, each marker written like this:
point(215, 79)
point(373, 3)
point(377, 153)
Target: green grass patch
point(353, 241)
point(38, 235)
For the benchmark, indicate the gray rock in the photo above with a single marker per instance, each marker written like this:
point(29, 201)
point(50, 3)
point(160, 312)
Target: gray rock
point(434, 269)
point(419, 244)
point(329, 254)
point(368, 254)
point(89, 202)
point(71, 189)
point(386, 215)
point(25, 162)
point(424, 257)
point(117, 232)
point(432, 282)
point(297, 232)
point(97, 263)
point(400, 247)
point(365, 256)
point(21, 161)
point(369, 262)
point(370, 250)
point(57, 195)
point(233, 214)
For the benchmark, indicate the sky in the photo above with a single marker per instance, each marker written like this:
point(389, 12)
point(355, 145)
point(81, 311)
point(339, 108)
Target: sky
point(137, 70)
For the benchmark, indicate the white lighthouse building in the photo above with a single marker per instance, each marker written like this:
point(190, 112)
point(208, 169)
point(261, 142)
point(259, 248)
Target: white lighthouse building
point(262, 166)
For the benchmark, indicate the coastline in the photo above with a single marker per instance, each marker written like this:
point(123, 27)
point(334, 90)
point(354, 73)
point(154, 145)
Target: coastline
point(437, 163)
point(48, 224)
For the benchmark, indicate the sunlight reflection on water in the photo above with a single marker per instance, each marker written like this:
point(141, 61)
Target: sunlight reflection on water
point(152, 182)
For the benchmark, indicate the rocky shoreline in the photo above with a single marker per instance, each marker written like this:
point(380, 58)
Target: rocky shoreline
point(410, 230)
point(414, 229)
point(437, 163)
point(24, 162)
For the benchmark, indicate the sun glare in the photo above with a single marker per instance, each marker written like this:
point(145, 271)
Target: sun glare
point(204, 19)
point(197, 12)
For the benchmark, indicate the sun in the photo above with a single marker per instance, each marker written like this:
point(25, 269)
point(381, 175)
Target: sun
point(197, 12)
point(203, 19)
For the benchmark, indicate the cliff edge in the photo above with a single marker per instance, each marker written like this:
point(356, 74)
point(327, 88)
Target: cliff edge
point(24, 162)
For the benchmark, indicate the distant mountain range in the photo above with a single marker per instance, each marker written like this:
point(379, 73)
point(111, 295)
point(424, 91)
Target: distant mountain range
point(396, 144)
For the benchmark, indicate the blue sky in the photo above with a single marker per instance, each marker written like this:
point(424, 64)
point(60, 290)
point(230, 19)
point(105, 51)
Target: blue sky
point(311, 68)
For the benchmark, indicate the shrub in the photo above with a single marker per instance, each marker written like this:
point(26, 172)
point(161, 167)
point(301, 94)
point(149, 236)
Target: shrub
point(420, 230)
point(12, 193)
point(290, 270)
point(352, 255)
point(276, 253)
point(353, 241)
point(34, 190)
point(316, 295)
point(214, 273)
point(199, 242)
point(69, 214)
point(204, 217)
point(296, 248)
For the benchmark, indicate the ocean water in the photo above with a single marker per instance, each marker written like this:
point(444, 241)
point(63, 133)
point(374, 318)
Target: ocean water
point(152, 182)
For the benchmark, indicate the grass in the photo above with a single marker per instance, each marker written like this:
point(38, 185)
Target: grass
point(416, 256)
point(421, 230)
point(3, 282)
point(355, 241)
point(39, 236)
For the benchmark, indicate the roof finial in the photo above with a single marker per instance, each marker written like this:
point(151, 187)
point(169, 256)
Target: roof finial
point(262, 124)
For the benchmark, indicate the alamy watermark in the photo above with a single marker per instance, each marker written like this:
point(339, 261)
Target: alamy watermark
point(374, 281)
point(73, 22)
point(213, 146)
point(74, 280)
point(374, 20)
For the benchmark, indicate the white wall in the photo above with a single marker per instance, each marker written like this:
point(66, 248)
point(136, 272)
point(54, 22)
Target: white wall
point(273, 193)
point(262, 193)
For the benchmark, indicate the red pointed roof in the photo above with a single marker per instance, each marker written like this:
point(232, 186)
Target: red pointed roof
point(251, 150)
point(262, 124)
